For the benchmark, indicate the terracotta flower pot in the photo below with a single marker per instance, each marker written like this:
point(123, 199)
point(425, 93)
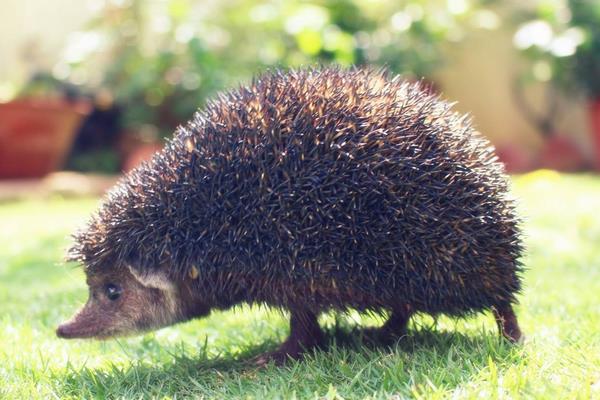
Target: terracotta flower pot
point(561, 154)
point(515, 158)
point(142, 153)
point(138, 145)
point(36, 134)
point(595, 123)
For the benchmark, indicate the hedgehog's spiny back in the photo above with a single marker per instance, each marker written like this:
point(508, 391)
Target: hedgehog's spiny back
point(341, 175)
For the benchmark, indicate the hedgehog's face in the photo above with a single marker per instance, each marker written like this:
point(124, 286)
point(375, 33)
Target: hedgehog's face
point(122, 303)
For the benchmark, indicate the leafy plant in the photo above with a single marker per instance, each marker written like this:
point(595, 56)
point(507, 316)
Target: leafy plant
point(43, 84)
point(586, 61)
point(561, 38)
point(163, 59)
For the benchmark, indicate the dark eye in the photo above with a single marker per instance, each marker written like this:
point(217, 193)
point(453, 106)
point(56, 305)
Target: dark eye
point(112, 291)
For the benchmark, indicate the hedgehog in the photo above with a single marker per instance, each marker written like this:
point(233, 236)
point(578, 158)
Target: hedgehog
point(310, 191)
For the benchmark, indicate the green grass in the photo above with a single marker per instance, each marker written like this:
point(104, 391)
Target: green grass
point(559, 313)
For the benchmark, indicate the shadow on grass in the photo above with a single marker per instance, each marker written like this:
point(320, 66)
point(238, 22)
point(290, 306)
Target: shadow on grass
point(425, 357)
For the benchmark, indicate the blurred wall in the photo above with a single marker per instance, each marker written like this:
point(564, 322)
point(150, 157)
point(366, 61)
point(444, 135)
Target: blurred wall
point(34, 32)
point(479, 72)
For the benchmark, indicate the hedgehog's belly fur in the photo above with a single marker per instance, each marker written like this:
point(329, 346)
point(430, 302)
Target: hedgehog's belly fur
point(326, 293)
point(342, 293)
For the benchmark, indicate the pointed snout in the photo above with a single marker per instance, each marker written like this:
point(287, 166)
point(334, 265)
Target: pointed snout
point(76, 327)
point(84, 324)
point(66, 331)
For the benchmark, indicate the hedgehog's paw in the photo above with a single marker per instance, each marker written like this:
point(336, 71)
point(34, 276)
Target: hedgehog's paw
point(392, 331)
point(305, 335)
point(288, 351)
point(276, 357)
point(380, 336)
point(514, 337)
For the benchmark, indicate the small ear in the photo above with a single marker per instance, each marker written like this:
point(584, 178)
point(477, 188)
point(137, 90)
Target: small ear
point(153, 279)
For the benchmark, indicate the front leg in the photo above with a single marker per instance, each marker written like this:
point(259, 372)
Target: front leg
point(305, 335)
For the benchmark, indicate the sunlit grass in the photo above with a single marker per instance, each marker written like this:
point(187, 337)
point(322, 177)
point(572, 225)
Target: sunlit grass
point(559, 313)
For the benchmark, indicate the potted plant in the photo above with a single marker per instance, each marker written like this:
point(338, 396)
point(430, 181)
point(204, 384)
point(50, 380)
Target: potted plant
point(37, 129)
point(156, 80)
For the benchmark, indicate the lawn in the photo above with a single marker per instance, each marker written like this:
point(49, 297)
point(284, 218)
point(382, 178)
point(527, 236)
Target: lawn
point(559, 312)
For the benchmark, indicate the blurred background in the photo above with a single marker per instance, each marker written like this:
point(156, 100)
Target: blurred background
point(89, 88)
point(95, 86)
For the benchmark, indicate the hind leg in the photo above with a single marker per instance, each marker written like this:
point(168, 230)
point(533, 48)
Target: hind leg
point(507, 322)
point(305, 335)
point(393, 329)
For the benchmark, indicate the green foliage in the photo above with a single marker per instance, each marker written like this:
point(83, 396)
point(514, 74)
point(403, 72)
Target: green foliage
point(45, 85)
point(586, 68)
point(163, 59)
point(102, 161)
point(207, 358)
point(561, 38)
